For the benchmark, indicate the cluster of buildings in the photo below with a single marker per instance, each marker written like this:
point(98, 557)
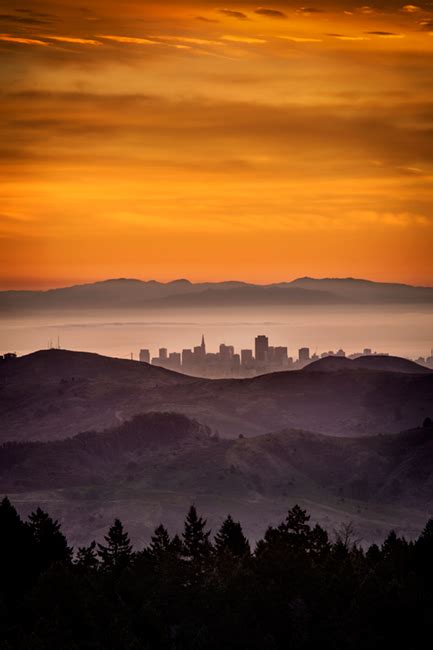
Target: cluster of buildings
point(229, 363)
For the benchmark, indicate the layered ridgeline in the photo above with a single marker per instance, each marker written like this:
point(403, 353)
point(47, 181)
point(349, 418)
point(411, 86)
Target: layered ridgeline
point(136, 294)
point(151, 467)
point(55, 394)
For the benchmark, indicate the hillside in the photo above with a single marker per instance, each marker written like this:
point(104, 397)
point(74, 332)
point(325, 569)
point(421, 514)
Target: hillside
point(55, 394)
point(169, 450)
point(164, 461)
point(376, 362)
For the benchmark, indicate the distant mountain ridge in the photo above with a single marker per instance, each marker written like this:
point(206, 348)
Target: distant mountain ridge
point(122, 293)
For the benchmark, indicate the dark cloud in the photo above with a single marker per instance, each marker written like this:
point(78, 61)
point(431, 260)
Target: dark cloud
point(382, 33)
point(206, 20)
point(270, 13)
point(310, 10)
point(234, 14)
point(23, 20)
point(36, 14)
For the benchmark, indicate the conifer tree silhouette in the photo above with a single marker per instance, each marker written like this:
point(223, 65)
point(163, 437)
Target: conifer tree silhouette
point(16, 547)
point(230, 539)
point(87, 557)
point(117, 553)
point(160, 541)
point(196, 544)
point(51, 545)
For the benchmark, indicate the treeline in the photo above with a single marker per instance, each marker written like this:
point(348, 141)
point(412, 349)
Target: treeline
point(297, 589)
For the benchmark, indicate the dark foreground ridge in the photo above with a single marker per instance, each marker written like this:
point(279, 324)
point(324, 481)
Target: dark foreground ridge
point(299, 588)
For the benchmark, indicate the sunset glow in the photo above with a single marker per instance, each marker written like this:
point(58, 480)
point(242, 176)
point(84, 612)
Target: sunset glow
point(184, 139)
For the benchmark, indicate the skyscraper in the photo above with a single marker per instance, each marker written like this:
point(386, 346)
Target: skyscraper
point(261, 348)
point(304, 354)
point(226, 351)
point(145, 356)
point(247, 358)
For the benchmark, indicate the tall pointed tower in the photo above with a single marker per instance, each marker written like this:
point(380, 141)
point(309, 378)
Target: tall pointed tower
point(203, 345)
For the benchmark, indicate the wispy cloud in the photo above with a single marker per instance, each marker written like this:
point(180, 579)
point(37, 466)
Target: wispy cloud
point(73, 40)
point(189, 39)
point(21, 40)
point(270, 13)
point(204, 19)
point(411, 9)
point(300, 39)
point(131, 40)
point(239, 15)
point(346, 37)
point(22, 20)
point(386, 34)
point(243, 39)
point(366, 9)
point(307, 11)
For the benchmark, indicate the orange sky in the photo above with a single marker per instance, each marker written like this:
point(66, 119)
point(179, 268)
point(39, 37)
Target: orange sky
point(187, 139)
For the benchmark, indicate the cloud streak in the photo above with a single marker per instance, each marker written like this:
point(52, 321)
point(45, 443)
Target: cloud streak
point(238, 15)
point(270, 13)
point(20, 40)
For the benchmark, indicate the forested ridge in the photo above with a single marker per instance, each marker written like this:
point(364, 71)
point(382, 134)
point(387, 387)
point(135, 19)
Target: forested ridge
point(299, 588)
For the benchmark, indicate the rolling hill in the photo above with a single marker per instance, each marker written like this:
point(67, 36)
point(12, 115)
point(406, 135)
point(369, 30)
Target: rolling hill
point(377, 362)
point(56, 393)
point(167, 460)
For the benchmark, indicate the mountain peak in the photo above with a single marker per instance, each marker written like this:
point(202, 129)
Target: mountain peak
point(180, 281)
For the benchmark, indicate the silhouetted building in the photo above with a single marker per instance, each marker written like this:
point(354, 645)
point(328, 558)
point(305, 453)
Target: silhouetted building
point(281, 356)
point(304, 355)
point(187, 359)
point(175, 361)
point(247, 358)
point(226, 351)
point(227, 363)
point(261, 348)
point(145, 356)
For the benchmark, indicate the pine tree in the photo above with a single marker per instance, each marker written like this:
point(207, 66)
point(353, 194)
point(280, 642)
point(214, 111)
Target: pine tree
point(230, 539)
point(318, 544)
point(16, 547)
point(160, 542)
point(117, 554)
point(87, 557)
point(196, 544)
point(293, 533)
point(297, 522)
point(51, 544)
